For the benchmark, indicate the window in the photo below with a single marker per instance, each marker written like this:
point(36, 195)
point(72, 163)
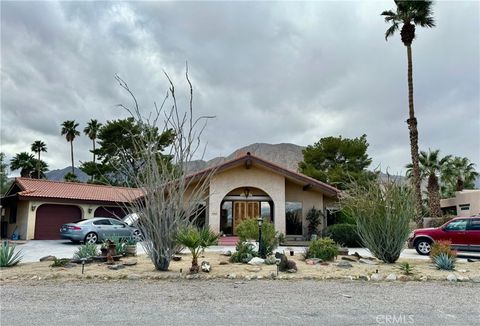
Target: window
point(116, 222)
point(457, 225)
point(266, 211)
point(226, 220)
point(474, 224)
point(102, 222)
point(464, 207)
point(12, 219)
point(293, 216)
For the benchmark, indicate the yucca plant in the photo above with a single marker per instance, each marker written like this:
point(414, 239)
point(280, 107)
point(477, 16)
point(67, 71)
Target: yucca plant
point(406, 268)
point(444, 262)
point(196, 240)
point(8, 256)
point(86, 251)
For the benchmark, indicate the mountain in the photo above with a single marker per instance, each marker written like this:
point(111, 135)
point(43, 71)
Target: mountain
point(57, 175)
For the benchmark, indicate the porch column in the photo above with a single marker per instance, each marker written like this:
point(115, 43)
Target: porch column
point(278, 198)
point(214, 211)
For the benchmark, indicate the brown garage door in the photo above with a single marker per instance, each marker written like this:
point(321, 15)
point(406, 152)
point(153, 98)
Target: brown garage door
point(51, 217)
point(114, 211)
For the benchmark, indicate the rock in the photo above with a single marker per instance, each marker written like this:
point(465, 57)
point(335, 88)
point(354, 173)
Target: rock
point(459, 278)
point(344, 264)
point(255, 269)
point(363, 277)
point(313, 261)
point(116, 267)
point(273, 275)
point(223, 262)
point(192, 276)
point(291, 270)
point(350, 258)
point(130, 262)
point(475, 279)
point(343, 251)
point(451, 278)
point(271, 260)
point(324, 263)
point(403, 278)
point(462, 270)
point(367, 261)
point(227, 253)
point(424, 278)
point(69, 265)
point(259, 277)
point(206, 267)
point(391, 277)
point(176, 258)
point(256, 261)
point(133, 277)
point(48, 258)
point(34, 277)
point(376, 277)
point(247, 258)
point(232, 276)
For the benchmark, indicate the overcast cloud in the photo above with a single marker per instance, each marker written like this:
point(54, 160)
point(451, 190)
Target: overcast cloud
point(269, 72)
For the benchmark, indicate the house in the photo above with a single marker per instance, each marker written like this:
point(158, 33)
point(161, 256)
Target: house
point(465, 203)
point(245, 187)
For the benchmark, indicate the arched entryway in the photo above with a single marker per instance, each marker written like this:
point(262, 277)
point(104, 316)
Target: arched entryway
point(50, 217)
point(111, 211)
point(244, 203)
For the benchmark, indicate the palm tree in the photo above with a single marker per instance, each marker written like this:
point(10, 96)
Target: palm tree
point(196, 240)
point(431, 167)
point(459, 174)
point(38, 146)
point(410, 14)
point(25, 162)
point(69, 130)
point(91, 130)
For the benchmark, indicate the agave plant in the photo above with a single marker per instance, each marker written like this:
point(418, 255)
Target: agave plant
point(196, 240)
point(444, 262)
point(8, 256)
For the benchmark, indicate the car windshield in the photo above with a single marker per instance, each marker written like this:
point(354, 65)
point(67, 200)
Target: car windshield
point(457, 225)
point(82, 221)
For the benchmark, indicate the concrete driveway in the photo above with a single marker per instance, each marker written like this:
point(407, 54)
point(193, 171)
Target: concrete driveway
point(33, 250)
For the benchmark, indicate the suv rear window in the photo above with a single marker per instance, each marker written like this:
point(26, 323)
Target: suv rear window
point(474, 224)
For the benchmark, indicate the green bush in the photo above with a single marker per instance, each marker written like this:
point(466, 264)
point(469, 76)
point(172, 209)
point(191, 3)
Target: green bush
point(196, 240)
point(442, 247)
point(244, 252)
point(325, 249)
point(314, 218)
point(343, 234)
point(8, 256)
point(248, 230)
point(382, 211)
point(444, 261)
point(86, 251)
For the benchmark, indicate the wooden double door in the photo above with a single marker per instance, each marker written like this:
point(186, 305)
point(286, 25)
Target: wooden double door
point(243, 210)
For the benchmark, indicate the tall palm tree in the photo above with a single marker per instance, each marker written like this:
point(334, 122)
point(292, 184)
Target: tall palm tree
point(410, 14)
point(38, 146)
point(25, 162)
point(91, 130)
point(69, 130)
point(431, 168)
point(459, 174)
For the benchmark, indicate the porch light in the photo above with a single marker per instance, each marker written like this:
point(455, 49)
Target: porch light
point(34, 208)
point(261, 249)
point(246, 192)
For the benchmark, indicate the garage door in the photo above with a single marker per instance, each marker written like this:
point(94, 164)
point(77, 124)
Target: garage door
point(115, 212)
point(51, 217)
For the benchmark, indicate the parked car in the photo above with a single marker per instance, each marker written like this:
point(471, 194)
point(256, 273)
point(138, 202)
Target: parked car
point(463, 232)
point(97, 229)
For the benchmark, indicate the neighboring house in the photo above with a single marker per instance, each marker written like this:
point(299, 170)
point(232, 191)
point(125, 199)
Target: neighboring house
point(245, 187)
point(465, 203)
point(35, 208)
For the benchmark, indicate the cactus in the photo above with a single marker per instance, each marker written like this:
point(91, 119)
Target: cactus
point(444, 262)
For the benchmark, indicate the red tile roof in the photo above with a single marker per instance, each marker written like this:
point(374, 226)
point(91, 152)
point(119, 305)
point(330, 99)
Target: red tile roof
point(38, 188)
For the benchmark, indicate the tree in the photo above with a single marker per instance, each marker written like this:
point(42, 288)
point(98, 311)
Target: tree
point(91, 130)
point(458, 174)
point(337, 161)
point(69, 130)
point(431, 167)
point(25, 162)
point(38, 146)
point(4, 184)
point(410, 14)
point(196, 240)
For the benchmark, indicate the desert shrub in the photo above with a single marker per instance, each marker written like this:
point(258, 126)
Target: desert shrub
point(248, 229)
point(444, 261)
point(382, 211)
point(8, 256)
point(343, 234)
point(60, 262)
point(314, 218)
point(196, 240)
point(244, 252)
point(442, 247)
point(325, 249)
point(406, 268)
point(86, 251)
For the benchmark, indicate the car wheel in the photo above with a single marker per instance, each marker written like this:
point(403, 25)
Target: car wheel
point(137, 235)
point(91, 238)
point(423, 247)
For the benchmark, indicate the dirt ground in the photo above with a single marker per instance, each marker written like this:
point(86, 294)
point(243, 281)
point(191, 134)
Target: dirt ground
point(144, 269)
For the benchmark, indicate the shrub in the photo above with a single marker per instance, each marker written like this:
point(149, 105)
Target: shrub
point(248, 230)
point(119, 243)
point(444, 261)
point(382, 211)
point(325, 249)
point(343, 234)
point(314, 219)
point(245, 251)
point(86, 251)
point(442, 247)
point(8, 256)
point(60, 262)
point(406, 268)
point(196, 240)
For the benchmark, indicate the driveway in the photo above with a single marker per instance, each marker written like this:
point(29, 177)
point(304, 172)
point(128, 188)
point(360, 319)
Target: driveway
point(33, 250)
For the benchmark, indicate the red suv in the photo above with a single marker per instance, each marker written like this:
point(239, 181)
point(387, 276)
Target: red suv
point(463, 232)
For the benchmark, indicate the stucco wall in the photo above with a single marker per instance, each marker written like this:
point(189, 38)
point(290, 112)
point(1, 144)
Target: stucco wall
point(21, 225)
point(224, 182)
point(471, 197)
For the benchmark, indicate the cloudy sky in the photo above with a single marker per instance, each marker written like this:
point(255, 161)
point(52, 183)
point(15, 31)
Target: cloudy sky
point(270, 72)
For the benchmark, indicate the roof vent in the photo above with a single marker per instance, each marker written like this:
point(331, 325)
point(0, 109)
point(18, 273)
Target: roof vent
point(248, 153)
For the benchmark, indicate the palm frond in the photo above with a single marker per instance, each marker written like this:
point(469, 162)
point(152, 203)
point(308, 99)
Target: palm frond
point(391, 30)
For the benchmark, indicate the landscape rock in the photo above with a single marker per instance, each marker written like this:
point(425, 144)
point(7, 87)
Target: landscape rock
point(254, 269)
point(403, 278)
point(424, 278)
point(344, 264)
point(376, 277)
point(462, 270)
point(69, 265)
point(224, 262)
point(391, 277)
point(133, 277)
point(227, 253)
point(271, 260)
point(291, 270)
point(343, 251)
point(48, 258)
point(206, 267)
point(232, 276)
point(463, 278)
point(350, 258)
point(256, 261)
point(130, 262)
point(324, 263)
point(451, 278)
point(363, 277)
point(313, 261)
point(176, 258)
point(367, 261)
point(475, 279)
point(116, 267)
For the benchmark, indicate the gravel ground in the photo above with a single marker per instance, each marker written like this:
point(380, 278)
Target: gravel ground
point(229, 302)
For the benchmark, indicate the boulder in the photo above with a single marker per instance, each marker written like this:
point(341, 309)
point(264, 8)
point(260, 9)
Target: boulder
point(232, 276)
point(130, 262)
point(176, 258)
point(391, 277)
point(451, 278)
point(271, 260)
point(475, 279)
point(367, 261)
point(223, 262)
point(313, 261)
point(206, 267)
point(133, 277)
point(256, 261)
point(48, 258)
point(344, 264)
point(291, 270)
point(403, 278)
point(116, 267)
point(254, 269)
point(350, 258)
point(376, 277)
point(227, 253)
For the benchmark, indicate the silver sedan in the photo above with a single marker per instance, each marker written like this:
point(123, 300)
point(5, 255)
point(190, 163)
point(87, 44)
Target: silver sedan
point(98, 229)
